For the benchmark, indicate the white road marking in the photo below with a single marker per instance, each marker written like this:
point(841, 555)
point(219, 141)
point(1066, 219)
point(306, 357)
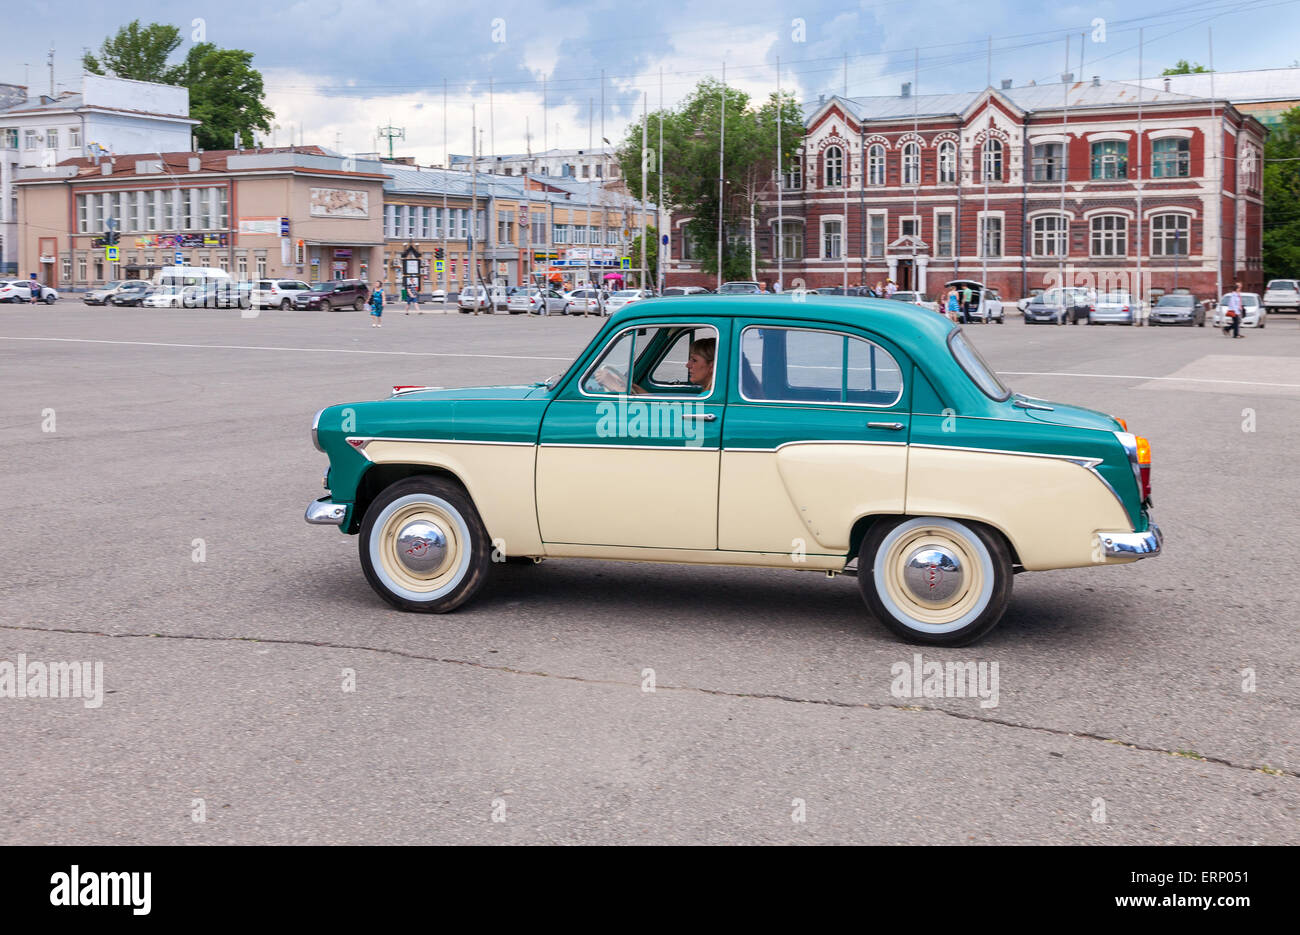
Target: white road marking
point(1123, 376)
point(310, 350)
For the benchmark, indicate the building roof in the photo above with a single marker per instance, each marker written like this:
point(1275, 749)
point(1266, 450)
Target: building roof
point(174, 163)
point(1240, 87)
point(415, 180)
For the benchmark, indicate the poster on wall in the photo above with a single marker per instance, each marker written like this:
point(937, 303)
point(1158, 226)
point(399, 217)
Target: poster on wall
point(259, 225)
point(339, 203)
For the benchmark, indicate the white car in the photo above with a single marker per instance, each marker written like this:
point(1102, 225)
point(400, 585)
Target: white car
point(740, 288)
point(477, 296)
point(1282, 295)
point(623, 297)
point(1253, 313)
point(914, 298)
point(438, 296)
point(277, 293)
point(583, 302)
point(101, 295)
point(1115, 308)
point(986, 303)
point(170, 298)
point(20, 290)
point(536, 302)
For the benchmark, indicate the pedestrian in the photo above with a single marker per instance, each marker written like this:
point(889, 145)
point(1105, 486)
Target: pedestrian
point(776, 287)
point(954, 305)
point(412, 298)
point(966, 305)
point(377, 305)
point(1234, 312)
point(34, 289)
point(890, 289)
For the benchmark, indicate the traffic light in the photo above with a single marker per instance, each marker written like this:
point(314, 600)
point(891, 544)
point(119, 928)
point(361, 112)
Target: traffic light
point(437, 253)
point(111, 238)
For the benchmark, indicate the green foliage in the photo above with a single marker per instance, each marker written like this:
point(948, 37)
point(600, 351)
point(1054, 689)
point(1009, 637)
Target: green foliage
point(226, 92)
point(138, 53)
point(651, 252)
point(1282, 198)
point(691, 143)
point(1184, 67)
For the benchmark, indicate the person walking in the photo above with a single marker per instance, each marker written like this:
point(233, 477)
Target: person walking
point(954, 305)
point(1234, 311)
point(377, 305)
point(412, 298)
point(34, 288)
point(966, 305)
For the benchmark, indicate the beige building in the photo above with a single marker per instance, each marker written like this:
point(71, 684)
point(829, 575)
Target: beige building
point(294, 212)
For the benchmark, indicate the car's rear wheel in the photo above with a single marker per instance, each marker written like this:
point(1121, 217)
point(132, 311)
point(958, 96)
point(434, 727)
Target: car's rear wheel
point(285, 305)
point(934, 580)
point(49, 300)
point(423, 546)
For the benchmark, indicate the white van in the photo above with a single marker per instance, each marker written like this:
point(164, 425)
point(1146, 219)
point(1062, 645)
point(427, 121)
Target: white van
point(176, 278)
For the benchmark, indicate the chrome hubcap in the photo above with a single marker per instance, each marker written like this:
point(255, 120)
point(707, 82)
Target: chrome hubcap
point(422, 547)
point(933, 574)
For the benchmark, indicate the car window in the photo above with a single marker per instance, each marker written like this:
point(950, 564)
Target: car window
point(798, 365)
point(980, 372)
point(1288, 284)
point(654, 355)
point(670, 369)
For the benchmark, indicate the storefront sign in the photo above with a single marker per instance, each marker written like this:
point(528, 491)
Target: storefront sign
point(175, 240)
point(259, 225)
point(343, 254)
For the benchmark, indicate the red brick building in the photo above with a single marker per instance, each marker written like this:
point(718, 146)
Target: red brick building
point(1090, 182)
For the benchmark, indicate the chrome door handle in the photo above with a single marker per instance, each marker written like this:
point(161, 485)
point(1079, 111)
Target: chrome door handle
point(892, 426)
point(707, 416)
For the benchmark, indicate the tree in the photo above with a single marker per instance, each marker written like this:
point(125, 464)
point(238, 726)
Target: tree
point(690, 157)
point(1183, 67)
point(225, 94)
point(651, 252)
point(1282, 198)
point(137, 53)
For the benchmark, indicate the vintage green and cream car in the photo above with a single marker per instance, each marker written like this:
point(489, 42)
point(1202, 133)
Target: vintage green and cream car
point(806, 432)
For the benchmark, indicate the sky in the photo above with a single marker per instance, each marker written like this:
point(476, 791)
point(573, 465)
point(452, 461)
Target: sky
point(529, 73)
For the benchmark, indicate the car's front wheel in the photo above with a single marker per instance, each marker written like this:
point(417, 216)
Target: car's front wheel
point(423, 546)
point(49, 300)
point(358, 304)
point(325, 305)
point(934, 580)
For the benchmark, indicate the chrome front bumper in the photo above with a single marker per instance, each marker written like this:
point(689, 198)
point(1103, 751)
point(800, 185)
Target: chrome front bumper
point(1132, 545)
point(325, 512)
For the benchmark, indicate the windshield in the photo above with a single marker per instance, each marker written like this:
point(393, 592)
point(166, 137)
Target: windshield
point(1246, 299)
point(731, 288)
point(1114, 298)
point(975, 367)
point(1178, 301)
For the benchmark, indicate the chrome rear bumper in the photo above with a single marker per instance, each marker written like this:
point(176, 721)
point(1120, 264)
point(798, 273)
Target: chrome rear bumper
point(325, 512)
point(1132, 544)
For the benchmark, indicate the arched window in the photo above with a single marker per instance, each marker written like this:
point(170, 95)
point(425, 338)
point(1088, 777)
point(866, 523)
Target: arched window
point(1109, 235)
point(834, 159)
point(912, 163)
point(947, 162)
point(1170, 234)
point(876, 165)
point(993, 160)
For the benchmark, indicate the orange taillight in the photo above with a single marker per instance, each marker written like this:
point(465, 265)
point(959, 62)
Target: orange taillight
point(1123, 422)
point(1144, 450)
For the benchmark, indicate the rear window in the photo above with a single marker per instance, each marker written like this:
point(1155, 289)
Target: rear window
point(1283, 284)
point(979, 371)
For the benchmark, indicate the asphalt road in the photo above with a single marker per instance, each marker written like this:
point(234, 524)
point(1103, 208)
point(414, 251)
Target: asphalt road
point(176, 433)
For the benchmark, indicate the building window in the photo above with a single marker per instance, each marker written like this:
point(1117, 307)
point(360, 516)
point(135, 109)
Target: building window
point(1050, 232)
point(1170, 234)
point(1110, 159)
point(222, 209)
point(463, 231)
point(947, 162)
point(11, 137)
point(560, 234)
point(74, 137)
point(1171, 159)
point(1109, 235)
point(876, 235)
point(993, 160)
point(990, 236)
point(261, 266)
point(834, 159)
point(793, 179)
point(831, 240)
point(909, 227)
point(29, 138)
point(52, 138)
point(912, 164)
point(241, 265)
point(943, 234)
point(83, 219)
point(792, 240)
point(390, 220)
point(66, 266)
point(876, 165)
point(81, 268)
point(1049, 162)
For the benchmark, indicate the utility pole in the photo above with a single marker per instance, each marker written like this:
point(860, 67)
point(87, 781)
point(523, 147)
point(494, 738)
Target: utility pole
point(446, 215)
point(659, 201)
point(780, 184)
point(1141, 291)
point(545, 118)
point(722, 149)
point(644, 166)
point(1065, 163)
point(1217, 130)
point(50, 60)
point(473, 203)
point(590, 127)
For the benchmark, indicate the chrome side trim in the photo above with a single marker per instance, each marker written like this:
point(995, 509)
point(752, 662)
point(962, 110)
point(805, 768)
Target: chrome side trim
point(1132, 544)
point(821, 441)
point(367, 439)
point(1129, 441)
point(325, 512)
point(1083, 462)
point(715, 448)
point(315, 428)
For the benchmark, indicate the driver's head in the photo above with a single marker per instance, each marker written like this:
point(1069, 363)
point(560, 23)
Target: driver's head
point(699, 363)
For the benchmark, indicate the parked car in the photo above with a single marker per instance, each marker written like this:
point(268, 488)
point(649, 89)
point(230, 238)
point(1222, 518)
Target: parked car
point(101, 295)
point(740, 288)
point(169, 296)
point(1177, 310)
point(478, 296)
point(1022, 304)
point(132, 293)
point(825, 423)
point(334, 294)
point(622, 298)
point(987, 303)
point(219, 294)
point(1252, 309)
point(583, 302)
point(1117, 308)
point(179, 277)
point(438, 296)
point(277, 293)
point(20, 290)
point(915, 298)
point(535, 301)
point(685, 290)
point(1059, 306)
point(1282, 295)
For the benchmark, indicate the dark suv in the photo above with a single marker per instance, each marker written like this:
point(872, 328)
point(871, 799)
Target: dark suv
point(132, 293)
point(340, 293)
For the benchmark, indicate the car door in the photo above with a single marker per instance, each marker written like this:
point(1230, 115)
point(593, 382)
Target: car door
point(554, 302)
point(814, 437)
point(635, 469)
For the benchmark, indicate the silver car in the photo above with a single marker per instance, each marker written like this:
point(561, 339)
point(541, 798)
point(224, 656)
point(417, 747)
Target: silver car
point(1115, 308)
point(536, 302)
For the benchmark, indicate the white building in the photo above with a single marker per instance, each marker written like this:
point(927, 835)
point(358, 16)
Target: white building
point(599, 164)
point(115, 114)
